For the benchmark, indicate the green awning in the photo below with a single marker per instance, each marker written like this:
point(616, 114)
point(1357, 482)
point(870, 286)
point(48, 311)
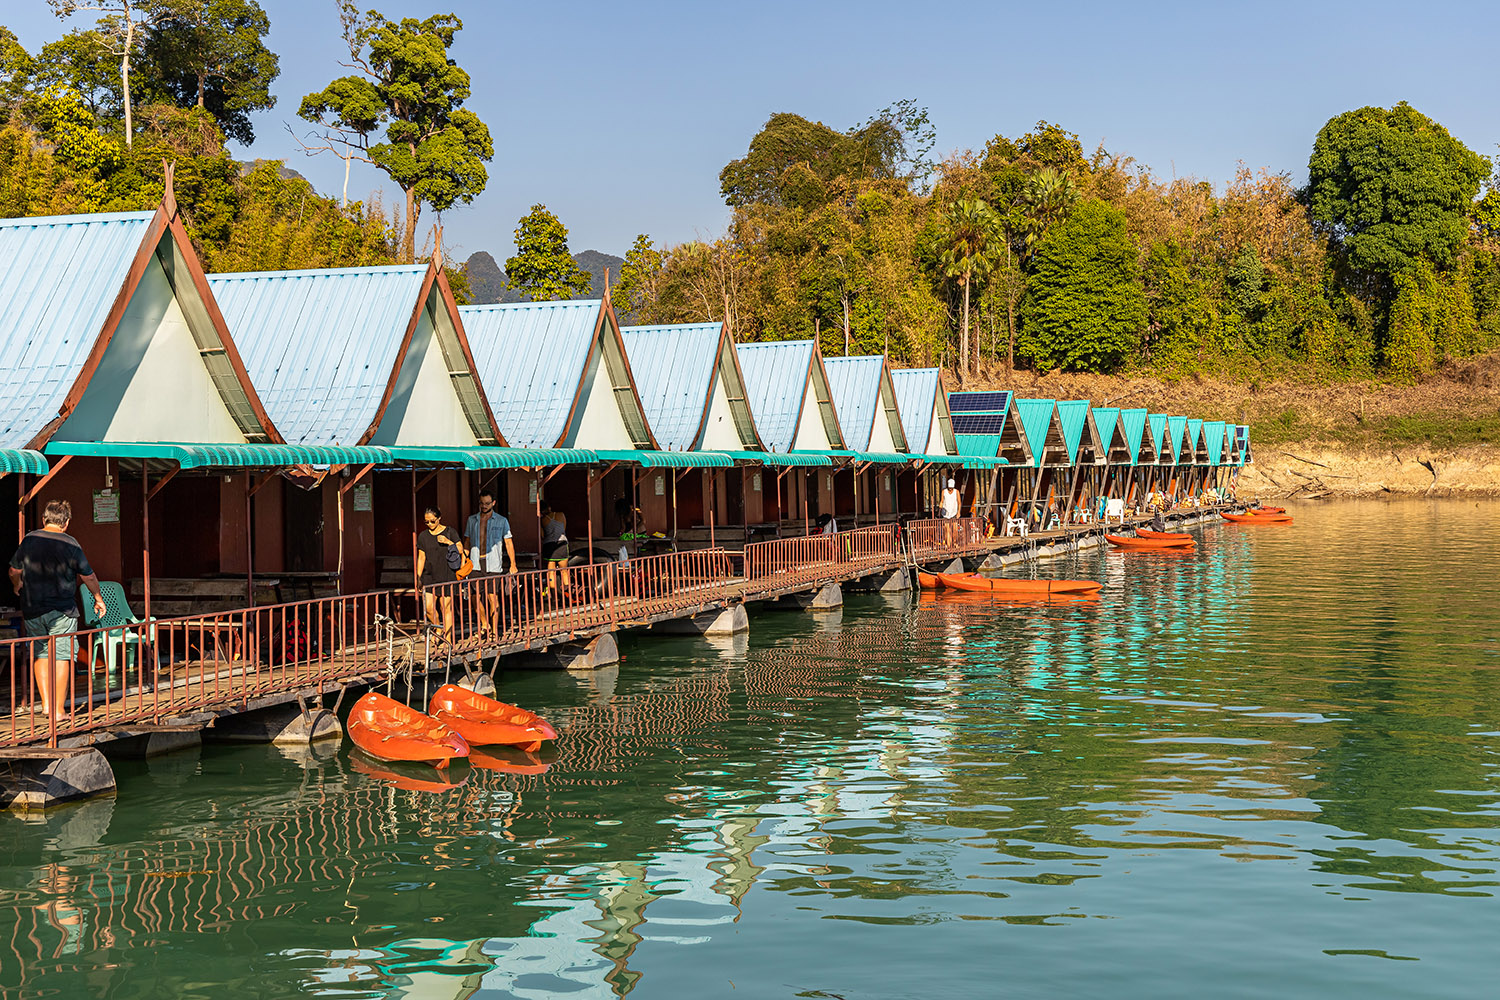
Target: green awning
point(482, 457)
point(940, 459)
point(873, 457)
point(669, 459)
point(983, 462)
point(33, 463)
point(800, 459)
point(226, 456)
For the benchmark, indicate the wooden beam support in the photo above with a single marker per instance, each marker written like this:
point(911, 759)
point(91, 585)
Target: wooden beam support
point(29, 494)
point(164, 480)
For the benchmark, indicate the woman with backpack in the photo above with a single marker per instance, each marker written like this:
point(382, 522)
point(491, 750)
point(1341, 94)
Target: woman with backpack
point(435, 565)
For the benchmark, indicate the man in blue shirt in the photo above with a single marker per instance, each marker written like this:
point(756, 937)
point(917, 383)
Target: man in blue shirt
point(46, 571)
point(487, 535)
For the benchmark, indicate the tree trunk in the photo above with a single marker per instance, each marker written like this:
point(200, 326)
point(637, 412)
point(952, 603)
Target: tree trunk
point(846, 324)
point(409, 249)
point(125, 73)
point(963, 340)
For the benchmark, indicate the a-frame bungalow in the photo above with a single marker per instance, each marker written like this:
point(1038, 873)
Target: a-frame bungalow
point(558, 379)
point(370, 356)
point(689, 381)
point(864, 398)
point(796, 419)
point(1086, 450)
point(1050, 458)
point(119, 367)
point(1113, 479)
point(928, 424)
point(1135, 424)
point(993, 439)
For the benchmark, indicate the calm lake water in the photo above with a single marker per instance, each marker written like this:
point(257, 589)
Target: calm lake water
point(1267, 768)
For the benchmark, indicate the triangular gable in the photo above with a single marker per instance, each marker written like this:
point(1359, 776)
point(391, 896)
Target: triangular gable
point(1161, 437)
point(789, 396)
point(1044, 432)
point(865, 400)
point(690, 384)
point(1134, 425)
point(556, 374)
point(925, 418)
point(110, 333)
point(1080, 433)
point(1196, 442)
point(1213, 438)
point(1182, 450)
point(358, 355)
point(1117, 448)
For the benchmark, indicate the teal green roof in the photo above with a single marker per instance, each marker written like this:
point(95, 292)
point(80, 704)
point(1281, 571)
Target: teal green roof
point(1074, 414)
point(493, 458)
point(795, 458)
point(1106, 420)
point(877, 457)
point(1133, 424)
point(227, 456)
point(1165, 453)
point(1036, 419)
point(669, 459)
point(1194, 434)
point(1177, 435)
point(941, 459)
point(25, 460)
point(978, 445)
point(1213, 434)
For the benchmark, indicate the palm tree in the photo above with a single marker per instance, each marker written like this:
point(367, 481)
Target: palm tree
point(1048, 195)
point(970, 241)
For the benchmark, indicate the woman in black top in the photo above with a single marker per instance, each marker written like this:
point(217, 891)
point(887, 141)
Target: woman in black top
point(433, 546)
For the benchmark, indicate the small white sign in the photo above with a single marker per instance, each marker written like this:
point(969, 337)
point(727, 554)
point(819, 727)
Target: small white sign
point(531, 497)
point(755, 482)
point(362, 498)
point(661, 485)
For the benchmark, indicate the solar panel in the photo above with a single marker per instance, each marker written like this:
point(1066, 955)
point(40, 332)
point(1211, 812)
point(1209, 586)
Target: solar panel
point(971, 401)
point(1241, 432)
point(978, 423)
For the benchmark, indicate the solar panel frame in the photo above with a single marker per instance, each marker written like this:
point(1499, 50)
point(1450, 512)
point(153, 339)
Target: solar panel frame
point(978, 423)
point(969, 402)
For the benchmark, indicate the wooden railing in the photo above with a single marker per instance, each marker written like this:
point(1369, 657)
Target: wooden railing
point(935, 538)
point(791, 563)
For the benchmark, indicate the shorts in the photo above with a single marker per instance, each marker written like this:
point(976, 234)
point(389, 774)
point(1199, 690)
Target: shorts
point(61, 624)
point(557, 551)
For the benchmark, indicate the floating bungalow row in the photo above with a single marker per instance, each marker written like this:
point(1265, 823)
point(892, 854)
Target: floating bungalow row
point(259, 437)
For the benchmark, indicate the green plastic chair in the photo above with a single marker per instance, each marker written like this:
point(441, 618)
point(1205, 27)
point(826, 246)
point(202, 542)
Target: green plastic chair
point(117, 618)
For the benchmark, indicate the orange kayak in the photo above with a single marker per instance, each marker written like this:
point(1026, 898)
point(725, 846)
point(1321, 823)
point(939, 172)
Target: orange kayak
point(433, 781)
point(1257, 518)
point(484, 721)
point(1163, 535)
point(1122, 542)
point(991, 585)
point(388, 730)
point(927, 581)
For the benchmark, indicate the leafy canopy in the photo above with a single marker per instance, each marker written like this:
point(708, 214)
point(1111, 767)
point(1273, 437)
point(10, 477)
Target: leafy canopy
point(1392, 188)
point(1084, 308)
point(212, 54)
point(542, 268)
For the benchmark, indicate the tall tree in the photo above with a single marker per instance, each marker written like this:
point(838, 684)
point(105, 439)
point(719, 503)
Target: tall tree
point(971, 237)
point(212, 54)
point(1392, 189)
point(435, 148)
point(1084, 308)
point(124, 25)
point(640, 277)
point(542, 268)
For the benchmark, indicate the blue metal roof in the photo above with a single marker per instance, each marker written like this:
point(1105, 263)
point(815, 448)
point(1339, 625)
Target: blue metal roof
point(320, 346)
point(916, 399)
point(61, 277)
point(1133, 423)
point(674, 372)
point(854, 384)
point(776, 374)
point(531, 358)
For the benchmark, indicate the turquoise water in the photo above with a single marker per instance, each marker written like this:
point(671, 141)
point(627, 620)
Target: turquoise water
point(1267, 768)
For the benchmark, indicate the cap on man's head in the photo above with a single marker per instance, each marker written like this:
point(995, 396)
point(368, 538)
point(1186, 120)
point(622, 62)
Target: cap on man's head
point(950, 484)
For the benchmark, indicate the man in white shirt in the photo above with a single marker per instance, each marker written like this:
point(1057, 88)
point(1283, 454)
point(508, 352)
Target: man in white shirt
point(950, 500)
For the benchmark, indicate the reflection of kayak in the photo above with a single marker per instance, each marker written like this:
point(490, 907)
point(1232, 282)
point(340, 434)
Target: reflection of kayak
point(1163, 535)
point(992, 585)
point(484, 721)
point(1122, 542)
point(1257, 518)
point(508, 760)
point(388, 730)
point(928, 581)
point(427, 780)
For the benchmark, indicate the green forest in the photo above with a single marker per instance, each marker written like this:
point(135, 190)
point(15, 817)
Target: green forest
point(1031, 253)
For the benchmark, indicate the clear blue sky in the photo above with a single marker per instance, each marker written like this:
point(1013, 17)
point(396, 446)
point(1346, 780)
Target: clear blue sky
point(619, 116)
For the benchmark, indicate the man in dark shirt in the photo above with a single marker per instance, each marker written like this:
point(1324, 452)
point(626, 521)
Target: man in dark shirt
point(46, 571)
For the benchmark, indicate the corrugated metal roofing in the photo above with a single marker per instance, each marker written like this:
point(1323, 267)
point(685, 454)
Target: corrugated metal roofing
point(493, 458)
point(854, 384)
point(986, 445)
point(1195, 439)
point(530, 357)
point(1133, 423)
point(1074, 414)
point(1106, 422)
point(1213, 436)
point(320, 345)
point(1036, 419)
point(62, 276)
point(776, 374)
point(228, 456)
point(795, 458)
point(25, 460)
point(916, 399)
point(1177, 433)
point(651, 459)
point(674, 370)
point(1160, 436)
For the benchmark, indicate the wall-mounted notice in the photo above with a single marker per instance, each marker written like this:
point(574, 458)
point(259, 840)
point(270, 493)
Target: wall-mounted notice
point(755, 482)
point(106, 507)
point(364, 501)
point(661, 485)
